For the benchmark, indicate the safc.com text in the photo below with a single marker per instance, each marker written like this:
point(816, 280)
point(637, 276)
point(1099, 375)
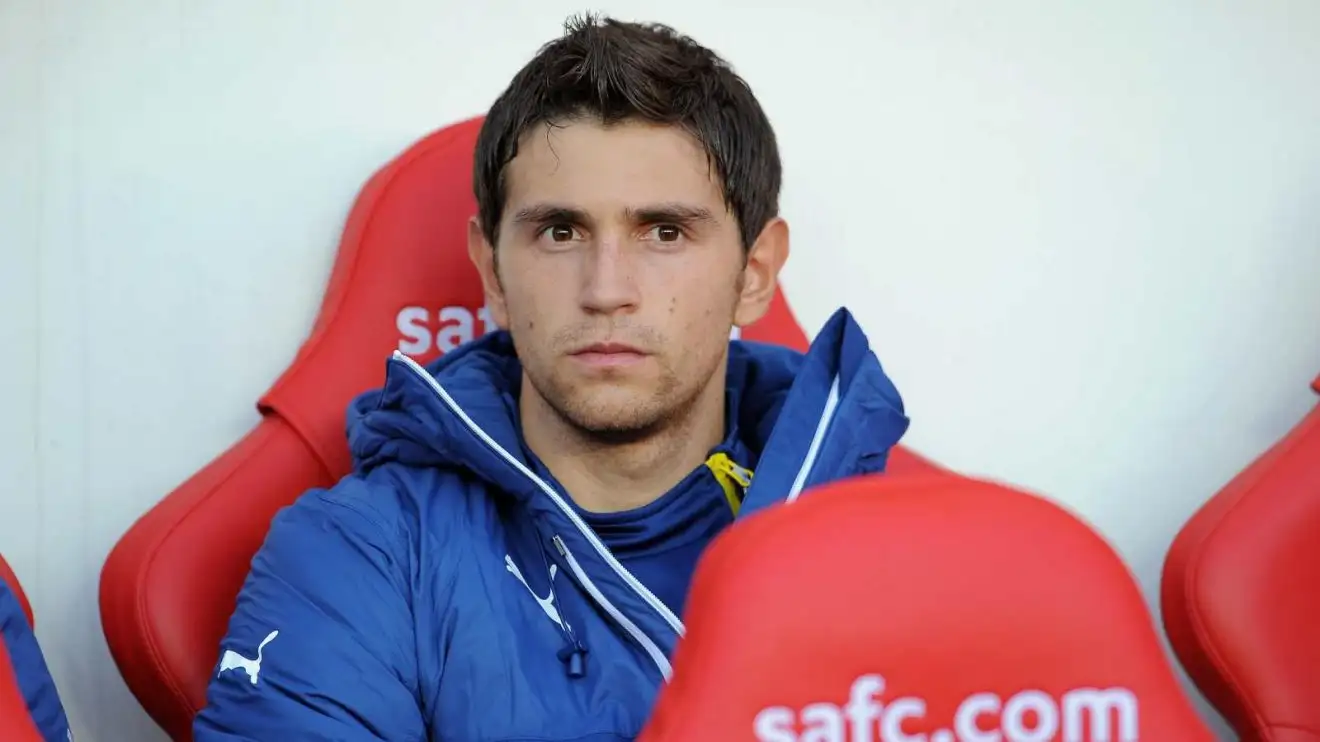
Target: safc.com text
point(1080, 715)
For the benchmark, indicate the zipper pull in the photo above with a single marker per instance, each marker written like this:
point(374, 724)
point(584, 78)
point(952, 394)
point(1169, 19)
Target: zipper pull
point(733, 479)
point(741, 474)
point(559, 545)
point(720, 463)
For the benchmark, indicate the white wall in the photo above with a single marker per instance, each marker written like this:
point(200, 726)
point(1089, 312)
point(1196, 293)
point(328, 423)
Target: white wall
point(1085, 237)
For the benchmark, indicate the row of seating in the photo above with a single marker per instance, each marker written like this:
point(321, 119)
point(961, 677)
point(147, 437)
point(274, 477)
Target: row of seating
point(1235, 599)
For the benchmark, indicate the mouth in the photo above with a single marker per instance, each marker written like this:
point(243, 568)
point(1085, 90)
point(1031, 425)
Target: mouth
point(609, 355)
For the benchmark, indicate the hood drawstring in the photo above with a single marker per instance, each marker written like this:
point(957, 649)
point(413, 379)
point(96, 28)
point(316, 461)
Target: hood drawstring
point(573, 654)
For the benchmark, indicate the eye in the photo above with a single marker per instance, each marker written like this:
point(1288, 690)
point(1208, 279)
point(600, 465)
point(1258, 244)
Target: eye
point(559, 233)
point(667, 233)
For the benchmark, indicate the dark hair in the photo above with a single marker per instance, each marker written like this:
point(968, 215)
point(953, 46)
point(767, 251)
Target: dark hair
point(614, 72)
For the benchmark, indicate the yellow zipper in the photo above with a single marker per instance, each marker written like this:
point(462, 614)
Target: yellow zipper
point(733, 479)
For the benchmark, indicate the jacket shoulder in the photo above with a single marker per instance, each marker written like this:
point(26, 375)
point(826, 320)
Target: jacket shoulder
point(399, 504)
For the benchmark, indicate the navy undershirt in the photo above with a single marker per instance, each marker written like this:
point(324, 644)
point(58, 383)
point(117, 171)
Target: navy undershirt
point(660, 542)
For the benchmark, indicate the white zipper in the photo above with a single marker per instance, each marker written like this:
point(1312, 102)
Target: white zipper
point(568, 511)
point(813, 452)
point(657, 656)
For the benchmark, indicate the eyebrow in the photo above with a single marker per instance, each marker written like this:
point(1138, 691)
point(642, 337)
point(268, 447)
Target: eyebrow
point(675, 213)
point(544, 213)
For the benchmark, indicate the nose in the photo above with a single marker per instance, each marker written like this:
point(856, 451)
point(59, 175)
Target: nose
point(609, 278)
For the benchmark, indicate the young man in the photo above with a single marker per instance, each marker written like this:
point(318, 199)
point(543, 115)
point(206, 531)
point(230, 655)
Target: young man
point(511, 556)
point(28, 667)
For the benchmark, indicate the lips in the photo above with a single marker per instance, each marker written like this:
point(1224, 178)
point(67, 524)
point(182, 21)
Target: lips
point(609, 355)
point(610, 349)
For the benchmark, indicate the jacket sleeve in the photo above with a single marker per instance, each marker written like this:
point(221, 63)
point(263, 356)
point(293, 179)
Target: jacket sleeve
point(29, 669)
point(321, 644)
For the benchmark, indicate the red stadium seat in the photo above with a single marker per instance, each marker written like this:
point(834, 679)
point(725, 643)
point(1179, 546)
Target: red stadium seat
point(16, 723)
point(9, 578)
point(932, 608)
point(1241, 593)
point(15, 720)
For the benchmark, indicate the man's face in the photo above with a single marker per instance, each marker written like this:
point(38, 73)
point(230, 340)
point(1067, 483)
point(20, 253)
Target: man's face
point(619, 272)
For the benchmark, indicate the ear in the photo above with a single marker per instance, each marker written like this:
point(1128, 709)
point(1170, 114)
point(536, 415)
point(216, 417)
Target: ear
point(760, 276)
point(482, 254)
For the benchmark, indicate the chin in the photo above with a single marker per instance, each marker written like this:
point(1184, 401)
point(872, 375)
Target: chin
point(619, 416)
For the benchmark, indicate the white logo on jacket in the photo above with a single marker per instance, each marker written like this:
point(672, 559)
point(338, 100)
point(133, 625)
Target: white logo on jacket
point(547, 603)
point(234, 661)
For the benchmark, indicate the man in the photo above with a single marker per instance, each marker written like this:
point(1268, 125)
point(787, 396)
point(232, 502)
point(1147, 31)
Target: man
point(510, 557)
point(28, 667)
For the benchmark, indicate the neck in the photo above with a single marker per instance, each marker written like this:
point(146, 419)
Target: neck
point(605, 477)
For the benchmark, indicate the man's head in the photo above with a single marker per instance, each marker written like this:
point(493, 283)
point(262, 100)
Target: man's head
point(627, 183)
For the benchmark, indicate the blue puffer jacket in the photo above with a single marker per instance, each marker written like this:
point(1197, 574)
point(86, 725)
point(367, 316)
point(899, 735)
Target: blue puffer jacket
point(29, 668)
point(405, 603)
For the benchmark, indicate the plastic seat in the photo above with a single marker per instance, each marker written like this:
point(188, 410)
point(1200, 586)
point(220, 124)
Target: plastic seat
point(9, 578)
point(402, 281)
point(940, 607)
point(1241, 592)
point(15, 720)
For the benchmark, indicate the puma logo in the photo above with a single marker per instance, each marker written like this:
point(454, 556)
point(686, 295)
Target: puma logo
point(547, 603)
point(234, 661)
